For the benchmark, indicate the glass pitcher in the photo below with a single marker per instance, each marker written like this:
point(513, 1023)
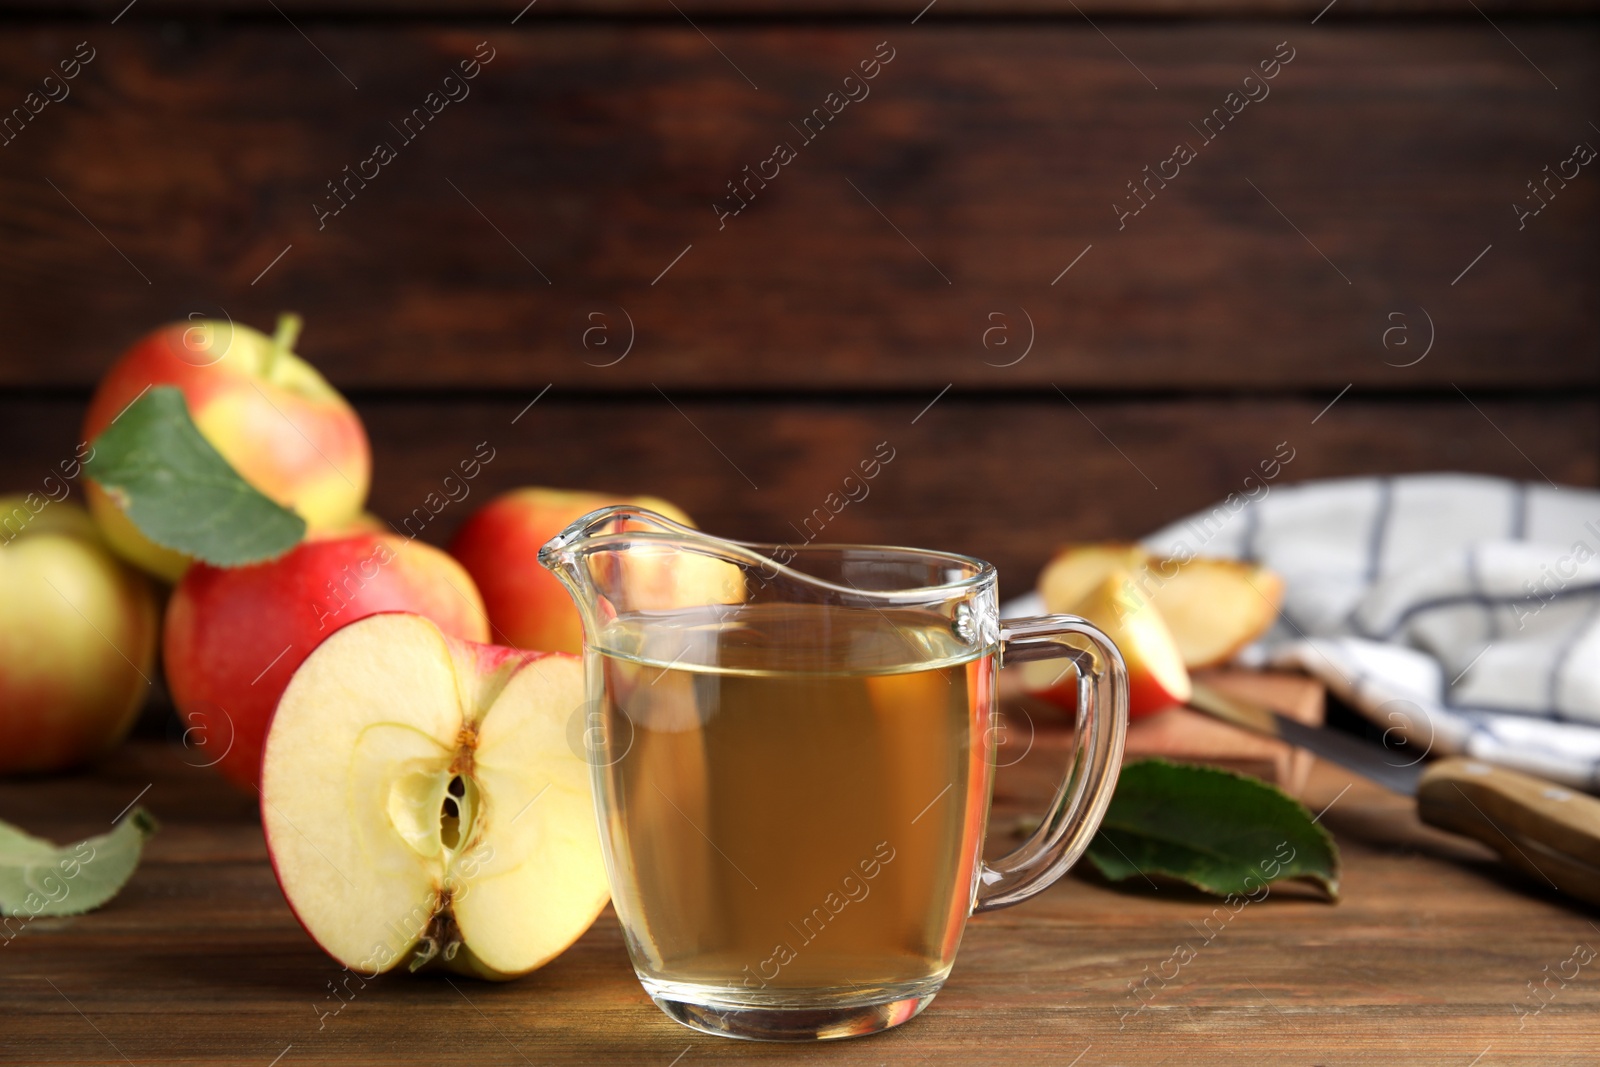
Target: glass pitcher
point(791, 752)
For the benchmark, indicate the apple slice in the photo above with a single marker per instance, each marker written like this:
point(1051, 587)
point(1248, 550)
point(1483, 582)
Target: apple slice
point(421, 802)
point(1215, 607)
point(1074, 572)
point(1157, 678)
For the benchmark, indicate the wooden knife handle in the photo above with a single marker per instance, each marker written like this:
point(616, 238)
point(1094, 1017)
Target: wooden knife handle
point(1546, 830)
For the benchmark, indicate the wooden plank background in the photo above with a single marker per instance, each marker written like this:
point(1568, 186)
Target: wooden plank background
point(913, 254)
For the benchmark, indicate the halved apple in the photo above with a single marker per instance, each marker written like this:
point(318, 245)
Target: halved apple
point(1157, 678)
point(421, 802)
point(1215, 606)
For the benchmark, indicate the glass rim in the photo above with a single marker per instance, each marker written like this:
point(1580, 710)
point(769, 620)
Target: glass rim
point(764, 559)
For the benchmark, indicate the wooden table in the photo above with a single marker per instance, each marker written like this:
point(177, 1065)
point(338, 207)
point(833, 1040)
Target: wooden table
point(1425, 960)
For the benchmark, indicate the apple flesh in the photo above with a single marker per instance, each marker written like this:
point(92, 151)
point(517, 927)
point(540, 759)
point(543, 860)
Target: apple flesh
point(234, 636)
point(499, 546)
point(77, 638)
point(1074, 572)
point(1216, 606)
point(421, 802)
point(1157, 678)
point(1213, 607)
point(276, 421)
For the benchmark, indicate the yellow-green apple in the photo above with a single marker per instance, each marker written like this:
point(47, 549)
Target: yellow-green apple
point(499, 545)
point(234, 636)
point(421, 802)
point(1157, 678)
point(77, 637)
point(276, 421)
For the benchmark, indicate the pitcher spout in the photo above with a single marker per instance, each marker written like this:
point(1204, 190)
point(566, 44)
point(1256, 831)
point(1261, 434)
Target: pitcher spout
point(626, 558)
point(560, 554)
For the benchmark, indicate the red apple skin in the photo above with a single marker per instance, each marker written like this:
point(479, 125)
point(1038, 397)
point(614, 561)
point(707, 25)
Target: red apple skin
point(1146, 694)
point(225, 628)
point(77, 638)
point(499, 546)
point(1157, 678)
point(268, 412)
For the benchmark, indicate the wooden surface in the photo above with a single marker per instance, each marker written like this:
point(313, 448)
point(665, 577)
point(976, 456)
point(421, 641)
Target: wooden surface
point(1424, 961)
point(586, 158)
point(1193, 737)
point(1177, 733)
point(1004, 479)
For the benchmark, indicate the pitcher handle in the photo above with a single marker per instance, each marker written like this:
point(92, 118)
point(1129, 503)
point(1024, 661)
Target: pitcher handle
point(1081, 800)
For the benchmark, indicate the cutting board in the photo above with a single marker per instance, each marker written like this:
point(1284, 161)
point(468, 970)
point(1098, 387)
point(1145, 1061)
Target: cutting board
point(1177, 733)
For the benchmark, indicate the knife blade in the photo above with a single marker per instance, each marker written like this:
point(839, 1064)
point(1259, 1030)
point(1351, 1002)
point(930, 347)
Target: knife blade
point(1546, 830)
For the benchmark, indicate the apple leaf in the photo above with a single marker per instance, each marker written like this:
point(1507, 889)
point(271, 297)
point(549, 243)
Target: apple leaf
point(39, 878)
point(180, 492)
point(1220, 832)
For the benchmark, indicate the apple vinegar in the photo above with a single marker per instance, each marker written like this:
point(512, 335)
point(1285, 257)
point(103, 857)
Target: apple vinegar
point(794, 795)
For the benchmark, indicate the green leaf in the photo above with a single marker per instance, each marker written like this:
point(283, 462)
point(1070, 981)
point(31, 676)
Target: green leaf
point(180, 492)
point(39, 878)
point(1218, 831)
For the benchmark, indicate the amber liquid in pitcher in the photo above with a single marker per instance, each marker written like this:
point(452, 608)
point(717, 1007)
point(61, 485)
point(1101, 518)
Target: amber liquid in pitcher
point(797, 793)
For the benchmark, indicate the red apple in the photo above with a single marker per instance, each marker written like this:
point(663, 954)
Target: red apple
point(77, 638)
point(1157, 678)
point(499, 546)
point(422, 804)
point(276, 421)
point(234, 636)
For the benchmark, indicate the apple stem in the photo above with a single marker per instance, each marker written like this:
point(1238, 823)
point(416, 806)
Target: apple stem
point(283, 340)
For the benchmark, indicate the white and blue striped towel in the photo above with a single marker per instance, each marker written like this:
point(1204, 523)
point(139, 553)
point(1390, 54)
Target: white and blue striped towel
point(1461, 611)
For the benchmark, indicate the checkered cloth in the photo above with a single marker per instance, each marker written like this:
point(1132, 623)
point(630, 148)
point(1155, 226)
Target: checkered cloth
point(1462, 611)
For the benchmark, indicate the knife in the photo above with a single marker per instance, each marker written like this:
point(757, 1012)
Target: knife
point(1544, 830)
